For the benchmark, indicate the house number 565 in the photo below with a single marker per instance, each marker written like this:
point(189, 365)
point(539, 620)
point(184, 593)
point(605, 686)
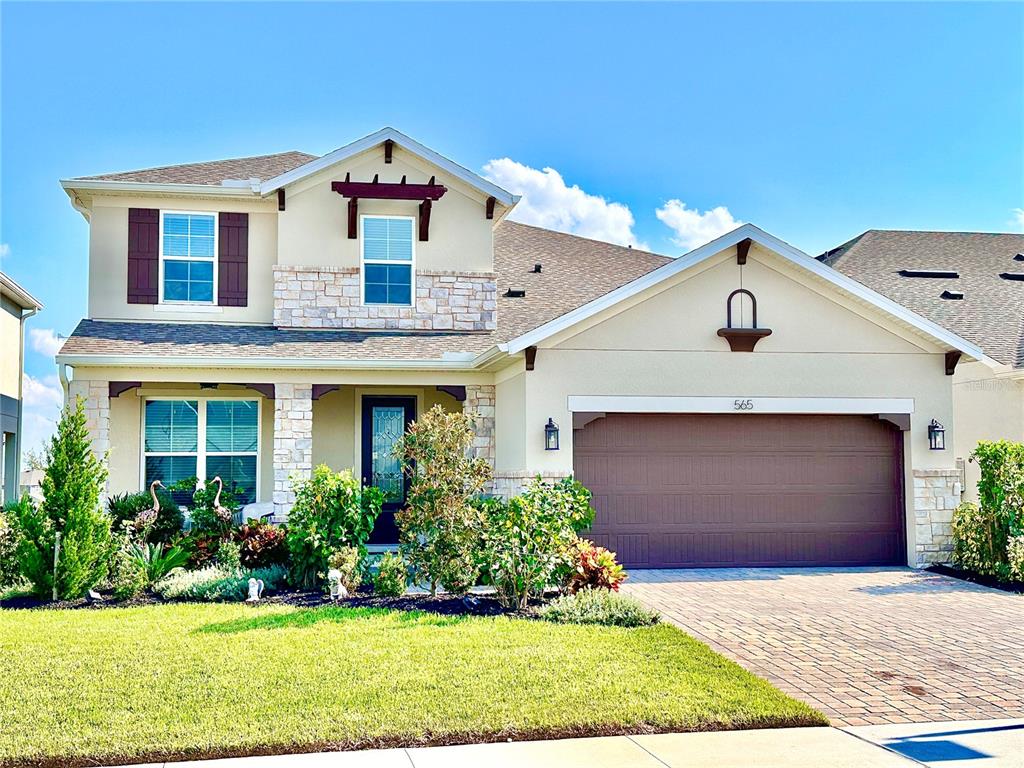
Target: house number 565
point(743, 405)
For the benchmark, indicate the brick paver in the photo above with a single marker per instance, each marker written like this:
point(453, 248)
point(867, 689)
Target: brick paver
point(865, 646)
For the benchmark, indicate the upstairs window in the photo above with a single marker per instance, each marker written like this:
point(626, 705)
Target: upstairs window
point(387, 259)
point(188, 251)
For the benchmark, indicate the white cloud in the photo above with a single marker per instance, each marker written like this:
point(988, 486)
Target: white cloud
point(42, 400)
point(547, 201)
point(5, 251)
point(693, 228)
point(1018, 218)
point(45, 341)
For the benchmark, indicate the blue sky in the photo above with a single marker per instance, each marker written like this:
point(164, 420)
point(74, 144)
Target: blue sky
point(814, 121)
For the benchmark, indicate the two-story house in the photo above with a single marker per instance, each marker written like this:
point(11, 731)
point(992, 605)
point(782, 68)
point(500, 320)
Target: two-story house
point(16, 306)
point(743, 404)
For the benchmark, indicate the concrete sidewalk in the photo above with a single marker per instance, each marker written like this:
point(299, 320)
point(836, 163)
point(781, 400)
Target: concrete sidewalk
point(775, 748)
point(988, 743)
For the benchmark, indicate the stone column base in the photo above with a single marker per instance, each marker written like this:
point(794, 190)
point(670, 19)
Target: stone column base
point(293, 443)
point(509, 484)
point(934, 501)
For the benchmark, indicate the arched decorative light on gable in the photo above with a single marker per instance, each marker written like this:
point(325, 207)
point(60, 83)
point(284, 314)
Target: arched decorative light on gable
point(742, 339)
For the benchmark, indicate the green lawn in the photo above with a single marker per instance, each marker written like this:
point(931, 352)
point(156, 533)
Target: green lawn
point(191, 679)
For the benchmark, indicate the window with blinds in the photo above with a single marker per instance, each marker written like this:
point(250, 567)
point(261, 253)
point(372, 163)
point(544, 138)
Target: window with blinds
point(188, 251)
point(203, 439)
point(387, 255)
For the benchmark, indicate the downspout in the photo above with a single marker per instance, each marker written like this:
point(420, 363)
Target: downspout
point(62, 373)
point(21, 398)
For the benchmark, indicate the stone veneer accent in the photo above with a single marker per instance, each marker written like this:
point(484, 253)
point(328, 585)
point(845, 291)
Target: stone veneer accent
point(293, 442)
point(329, 297)
point(96, 395)
point(480, 400)
point(934, 502)
point(509, 484)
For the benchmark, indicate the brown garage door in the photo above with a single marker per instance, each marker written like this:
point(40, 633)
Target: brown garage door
point(690, 490)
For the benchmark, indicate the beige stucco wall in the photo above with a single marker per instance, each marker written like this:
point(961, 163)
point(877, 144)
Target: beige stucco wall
point(313, 229)
point(986, 407)
point(10, 349)
point(108, 261)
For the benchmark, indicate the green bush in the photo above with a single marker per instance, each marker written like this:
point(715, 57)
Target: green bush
point(348, 562)
point(440, 527)
point(331, 510)
point(10, 571)
point(125, 508)
point(974, 543)
point(72, 483)
point(392, 576)
point(202, 512)
point(128, 573)
point(598, 606)
point(526, 539)
point(215, 584)
point(592, 567)
point(1015, 558)
point(229, 556)
point(262, 544)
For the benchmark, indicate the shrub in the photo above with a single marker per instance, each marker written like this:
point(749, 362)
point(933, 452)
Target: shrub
point(973, 540)
point(598, 606)
point(392, 576)
point(128, 575)
point(1015, 558)
point(10, 572)
point(72, 483)
point(202, 511)
point(229, 557)
point(202, 548)
point(526, 538)
point(348, 562)
point(126, 507)
point(262, 544)
point(440, 528)
point(592, 567)
point(215, 584)
point(332, 510)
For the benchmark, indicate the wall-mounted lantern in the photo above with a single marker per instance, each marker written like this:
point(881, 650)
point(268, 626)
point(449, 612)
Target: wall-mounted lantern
point(936, 436)
point(551, 435)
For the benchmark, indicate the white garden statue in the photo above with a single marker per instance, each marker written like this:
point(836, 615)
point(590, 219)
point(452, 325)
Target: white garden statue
point(255, 590)
point(338, 591)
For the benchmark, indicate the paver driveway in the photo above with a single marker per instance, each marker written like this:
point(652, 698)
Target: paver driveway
point(865, 646)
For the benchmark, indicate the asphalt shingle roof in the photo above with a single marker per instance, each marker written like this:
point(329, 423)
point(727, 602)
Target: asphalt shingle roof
point(991, 313)
point(574, 271)
point(213, 173)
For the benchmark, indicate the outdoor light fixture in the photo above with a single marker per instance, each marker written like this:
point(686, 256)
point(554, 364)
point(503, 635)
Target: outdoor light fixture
point(936, 436)
point(551, 435)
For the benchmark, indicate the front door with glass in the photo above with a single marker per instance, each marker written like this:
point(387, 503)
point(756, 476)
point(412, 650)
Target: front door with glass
point(384, 423)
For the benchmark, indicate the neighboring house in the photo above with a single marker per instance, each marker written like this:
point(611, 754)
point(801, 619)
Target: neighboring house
point(17, 306)
point(973, 284)
point(252, 318)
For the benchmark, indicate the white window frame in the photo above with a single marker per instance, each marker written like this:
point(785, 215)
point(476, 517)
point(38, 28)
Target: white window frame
point(201, 452)
point(363, 261)
point(216, 257)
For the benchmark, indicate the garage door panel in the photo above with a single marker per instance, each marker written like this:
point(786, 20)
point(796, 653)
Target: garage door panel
point(751, 489)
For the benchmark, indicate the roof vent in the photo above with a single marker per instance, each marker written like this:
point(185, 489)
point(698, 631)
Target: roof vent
point(928, 273)
point(536, 269)
point(1019, 257)
point(954, 295)
point(1012, 275)
point(515, 293)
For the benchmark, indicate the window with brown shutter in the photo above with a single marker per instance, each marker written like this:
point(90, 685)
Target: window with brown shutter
point(143, 255)
point(233, 260)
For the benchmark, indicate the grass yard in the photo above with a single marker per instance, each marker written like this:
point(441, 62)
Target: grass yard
point(119, 685)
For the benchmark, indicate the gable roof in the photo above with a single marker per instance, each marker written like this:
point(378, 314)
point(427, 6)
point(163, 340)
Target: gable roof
point(991, 313)
point(213, 173)
point(772, 243)
point(574, 270)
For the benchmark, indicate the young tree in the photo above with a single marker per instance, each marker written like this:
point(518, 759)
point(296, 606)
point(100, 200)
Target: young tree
point(71, 486)
point(440, 528)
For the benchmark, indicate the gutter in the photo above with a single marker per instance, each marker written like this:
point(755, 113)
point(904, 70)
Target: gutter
point(97, 185)
point(454, 362)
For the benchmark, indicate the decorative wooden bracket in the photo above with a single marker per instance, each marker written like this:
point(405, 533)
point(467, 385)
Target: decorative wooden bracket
point(117, 388)
point(742, 249)
point(389, 147)
point(353, 218)
point(742, 339)
point(490, 207)
point(457, 391)
point(424, 221)
point(377, 190)
point(531, 358)
point(952, 358)
point(319, 390)
point(267, 390)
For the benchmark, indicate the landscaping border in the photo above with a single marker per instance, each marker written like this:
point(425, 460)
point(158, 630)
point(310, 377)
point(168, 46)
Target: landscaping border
point(1014, 587)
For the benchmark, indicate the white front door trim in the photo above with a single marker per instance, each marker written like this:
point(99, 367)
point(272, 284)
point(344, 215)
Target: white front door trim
point(738, 404)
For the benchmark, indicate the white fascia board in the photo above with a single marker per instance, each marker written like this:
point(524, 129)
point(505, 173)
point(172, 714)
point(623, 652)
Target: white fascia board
point(740, 403)
point(20, 296)
point(772, 243)
point(375, 139)
point(94, 185)
point(454, 362)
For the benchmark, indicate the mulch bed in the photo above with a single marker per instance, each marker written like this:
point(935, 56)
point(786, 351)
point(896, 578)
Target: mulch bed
point(1016, 587)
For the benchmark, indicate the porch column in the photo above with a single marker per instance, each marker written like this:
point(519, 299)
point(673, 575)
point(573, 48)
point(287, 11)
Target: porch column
point(480, 400)
point(96, 395)
point(293, 442)
point(936, 495)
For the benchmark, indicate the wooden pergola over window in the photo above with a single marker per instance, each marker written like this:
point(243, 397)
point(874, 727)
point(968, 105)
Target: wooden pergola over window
point(377, 190)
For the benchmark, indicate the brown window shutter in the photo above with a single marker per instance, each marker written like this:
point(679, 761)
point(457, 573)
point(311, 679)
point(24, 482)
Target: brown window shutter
point(233, 260)
point(143, 255)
